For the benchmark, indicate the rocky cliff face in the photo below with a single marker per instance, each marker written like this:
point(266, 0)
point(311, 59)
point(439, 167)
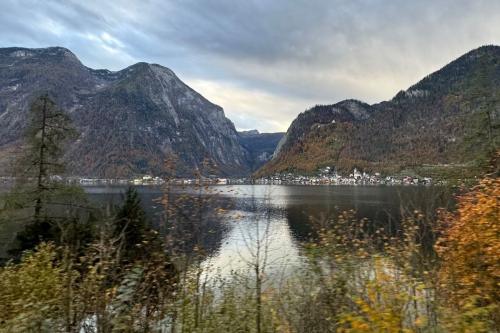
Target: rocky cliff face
point(448, 123)
point(129, 121)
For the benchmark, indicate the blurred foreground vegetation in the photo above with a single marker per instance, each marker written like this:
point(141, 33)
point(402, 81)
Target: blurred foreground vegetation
point(354, 280)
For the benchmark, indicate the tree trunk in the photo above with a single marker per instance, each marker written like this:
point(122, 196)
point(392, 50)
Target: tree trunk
point(41, 167)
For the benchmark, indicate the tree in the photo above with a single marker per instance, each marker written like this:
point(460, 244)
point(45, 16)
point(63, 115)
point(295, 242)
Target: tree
point(48, 131)
point(39, 196)
point(31, 292)
point(131, 225)
point(469, 249)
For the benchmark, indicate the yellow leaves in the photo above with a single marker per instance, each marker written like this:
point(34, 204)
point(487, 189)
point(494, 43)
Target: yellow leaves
point(472, 317)
point(31, 291)
point(354, 324)
point(373, 317)
point(470, 250)
point(385, 303)
point(470, 246)
point(420, 322)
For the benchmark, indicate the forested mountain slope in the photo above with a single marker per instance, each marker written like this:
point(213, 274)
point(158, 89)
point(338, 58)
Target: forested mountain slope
point(447, 124)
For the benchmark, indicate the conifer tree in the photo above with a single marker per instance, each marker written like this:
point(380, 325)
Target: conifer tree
point(131, 226)
point(48, 131)
point(39, 193)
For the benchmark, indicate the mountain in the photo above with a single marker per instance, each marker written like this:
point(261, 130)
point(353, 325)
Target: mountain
point(260, 146)
point(448, 124)
point(320, 116)
point(129, 121)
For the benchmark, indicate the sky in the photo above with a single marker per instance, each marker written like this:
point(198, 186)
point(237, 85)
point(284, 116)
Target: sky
point(263, 61)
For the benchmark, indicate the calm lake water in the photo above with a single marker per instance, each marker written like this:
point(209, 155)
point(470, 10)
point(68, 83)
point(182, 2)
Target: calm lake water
point(274, 218)
point(277, 218)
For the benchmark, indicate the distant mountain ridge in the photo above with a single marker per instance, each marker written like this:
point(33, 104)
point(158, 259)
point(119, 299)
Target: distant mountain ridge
point(129, 120)
point(446, 124)
point(260, 146)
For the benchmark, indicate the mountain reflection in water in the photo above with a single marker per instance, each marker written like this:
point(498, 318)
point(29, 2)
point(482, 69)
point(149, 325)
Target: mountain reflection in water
point(277, 216)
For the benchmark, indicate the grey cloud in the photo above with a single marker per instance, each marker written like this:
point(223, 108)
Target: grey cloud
point(302, 50)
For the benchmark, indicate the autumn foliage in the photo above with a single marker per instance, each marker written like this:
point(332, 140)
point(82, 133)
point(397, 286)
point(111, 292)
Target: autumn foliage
point(470, 247)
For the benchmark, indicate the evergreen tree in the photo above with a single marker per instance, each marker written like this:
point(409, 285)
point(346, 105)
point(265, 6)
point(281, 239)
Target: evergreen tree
point(39, 199)
point(49, 129)
point(131, 227)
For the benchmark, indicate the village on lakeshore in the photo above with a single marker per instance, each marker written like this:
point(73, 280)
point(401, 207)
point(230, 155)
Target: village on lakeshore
point(325, 176)
point(328, 176)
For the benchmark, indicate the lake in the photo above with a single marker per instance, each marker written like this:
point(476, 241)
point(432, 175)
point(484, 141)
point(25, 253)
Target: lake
point(230, 221)
point(276, 218)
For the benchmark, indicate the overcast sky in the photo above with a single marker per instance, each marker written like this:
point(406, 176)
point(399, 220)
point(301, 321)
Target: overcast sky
point(263, 61)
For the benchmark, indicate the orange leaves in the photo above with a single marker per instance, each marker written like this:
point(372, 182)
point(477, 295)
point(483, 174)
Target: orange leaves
point(470, 246)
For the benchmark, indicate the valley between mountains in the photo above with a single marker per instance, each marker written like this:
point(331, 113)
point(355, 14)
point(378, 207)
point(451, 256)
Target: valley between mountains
point(130, 121)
